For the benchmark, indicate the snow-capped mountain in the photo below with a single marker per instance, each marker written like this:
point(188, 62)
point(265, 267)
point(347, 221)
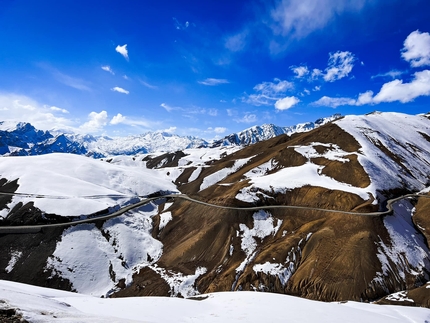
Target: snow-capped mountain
point(23, 139)
point(318, 232)
point(266, 131)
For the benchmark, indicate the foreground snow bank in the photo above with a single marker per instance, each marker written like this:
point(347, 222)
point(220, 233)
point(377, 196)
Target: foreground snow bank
point(46, 305)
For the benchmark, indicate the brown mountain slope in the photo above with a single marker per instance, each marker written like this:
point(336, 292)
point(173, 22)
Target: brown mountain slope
point(313, 254)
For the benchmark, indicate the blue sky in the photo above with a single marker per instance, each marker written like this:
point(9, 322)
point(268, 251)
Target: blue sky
point(209, 68)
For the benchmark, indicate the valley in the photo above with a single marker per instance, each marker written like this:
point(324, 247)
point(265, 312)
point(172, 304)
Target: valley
point(336, 213)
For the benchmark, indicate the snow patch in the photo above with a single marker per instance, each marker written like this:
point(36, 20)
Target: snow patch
point(218, 176)
point(180, 284)
point(95, 261)
point(15, 255)
point(407, 250)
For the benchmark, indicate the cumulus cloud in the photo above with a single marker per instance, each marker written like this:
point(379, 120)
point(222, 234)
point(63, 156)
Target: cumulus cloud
point(119, 89)
point(299, 18)
point(123, 51)
point(326, 101)
point(247, 118)
point(416, 49)
point(340, 64)
point(108, 69)
point(396, 90)
point(95, 123)
point(286, 103)
point(392, 91)
point(20, 108)
point(119, 118)
point(213, 81)
point(300, 71)
point(170, 130)
point(53, 108)
point(268, 92)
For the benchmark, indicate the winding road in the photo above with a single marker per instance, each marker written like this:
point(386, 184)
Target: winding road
point(146, 200)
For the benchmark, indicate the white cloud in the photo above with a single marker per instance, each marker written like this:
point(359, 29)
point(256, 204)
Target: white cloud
point(213, 112)
point(119, 89)
point(170, 130)
point(416, 49)
point(125, 77)
point(365, 98)
point(71, 81)
point(237, 42)
point(119, 118)
point(405, 92)
point(146, 84)
point(108, 69)
point(334, 102)
point(53, 108)
point(95, 123)
point(217, 130)
point(20, 108)
point(299, 18)
point(390, 92)
point(247, 118)
point(340, 64)
point(123, 51)
point(213, 81)
point(168, 108)
point(300, 71)
point(316, 88)
point(220, 130)
point(391, 74)
point(180, 26)
point(316, 73)
point(286, 103)
point(231, 112)
point(268, 92)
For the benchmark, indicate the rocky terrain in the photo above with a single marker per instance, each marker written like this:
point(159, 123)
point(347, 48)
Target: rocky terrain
point(178, 247)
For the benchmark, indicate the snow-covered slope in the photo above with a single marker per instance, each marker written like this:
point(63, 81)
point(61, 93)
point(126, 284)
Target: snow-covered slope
point(70, 180)
point(37, 304)
point(394, 149)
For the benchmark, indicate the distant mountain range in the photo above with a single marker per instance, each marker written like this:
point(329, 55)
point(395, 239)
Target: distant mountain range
point(23, 139)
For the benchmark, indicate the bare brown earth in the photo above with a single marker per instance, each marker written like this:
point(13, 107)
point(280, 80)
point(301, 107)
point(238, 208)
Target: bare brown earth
point(339, 260)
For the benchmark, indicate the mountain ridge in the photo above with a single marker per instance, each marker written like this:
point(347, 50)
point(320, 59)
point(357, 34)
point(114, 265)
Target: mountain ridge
point(23, 139)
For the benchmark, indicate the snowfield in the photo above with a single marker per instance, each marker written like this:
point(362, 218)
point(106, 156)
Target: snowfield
point(68, 179)
point(39, 305)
